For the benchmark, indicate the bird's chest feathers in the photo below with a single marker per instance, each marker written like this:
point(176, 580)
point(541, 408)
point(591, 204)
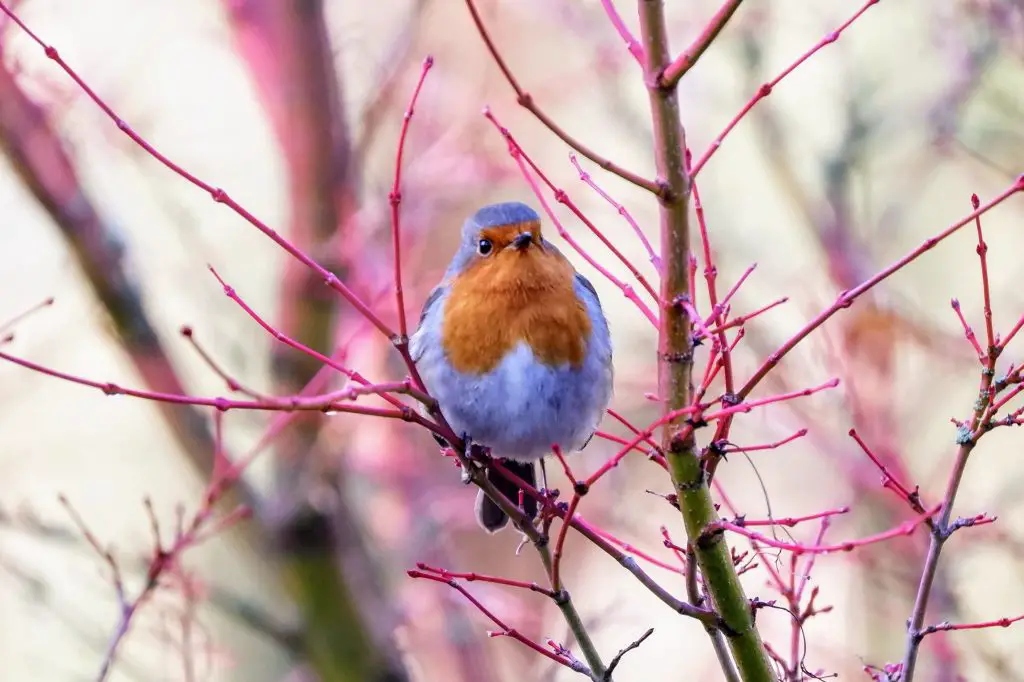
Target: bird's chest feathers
point(497, 304)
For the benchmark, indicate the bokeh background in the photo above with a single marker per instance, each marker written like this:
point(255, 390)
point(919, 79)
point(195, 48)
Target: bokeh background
point(874, 145)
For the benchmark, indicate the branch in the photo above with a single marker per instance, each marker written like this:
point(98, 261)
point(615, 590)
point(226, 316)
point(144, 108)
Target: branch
point(525, 100)
point(632, 44)
point(767, 88)
point(846, 298)
point(675, 353)
point(618, 657)
point(39, 156)
point(684, 62)
point(346, 614)
point(525, 163)
point(395, 199)
point(551, 564)
point(949, 627)
point(559, 656)
point(967, 436)
point(715, 528)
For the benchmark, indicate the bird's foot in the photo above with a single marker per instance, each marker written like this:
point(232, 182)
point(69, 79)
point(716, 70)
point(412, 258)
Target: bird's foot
point(476, 454)
point(473, 450)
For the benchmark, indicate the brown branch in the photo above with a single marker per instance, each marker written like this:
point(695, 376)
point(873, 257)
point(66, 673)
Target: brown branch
point(675, 360)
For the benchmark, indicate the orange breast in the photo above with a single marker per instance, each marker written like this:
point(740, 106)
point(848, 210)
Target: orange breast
point(512, 297)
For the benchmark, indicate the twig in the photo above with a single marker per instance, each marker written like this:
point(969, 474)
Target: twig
point(846, 298)
point(505, 630)
point(948, 627)
point(622, 652)
point(11, 322)
point(395, 200)
point(218, 195)
point(768, 87)
point(622, 210)
point(632, 44)
point(684, 62)
point(889, 481)
point(526, 101)
point(905, 528)
point(968, 435)
point(525, 163)
point(496, 580)
point(982, 250)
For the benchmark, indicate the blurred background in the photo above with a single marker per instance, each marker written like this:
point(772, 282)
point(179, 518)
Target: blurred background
point(872, 146)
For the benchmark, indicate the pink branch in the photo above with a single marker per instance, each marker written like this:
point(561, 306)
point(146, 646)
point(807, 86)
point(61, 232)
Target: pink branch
point(982, 250)
point(968, 332)
point(905, 528)
point(710, 272)
point(632, 44)
point(947, 627)
point(505, 630)
point(556, 561)
point(395, 199)
point(888, 480)
point(768, 446)
point(522, 160)
point(579, 490)
point(747, 407)
point(684, 62)
point(1013, 332)
point(846, 298)
point(633, 429)
point(612, 438)
point(281, 337)
point(791, 521)
point(622, 210)
point(743, 319)
point(525, 100)
point(478, 577)
point(723, 359)
point(767, 88)
point(233, 384)
point(218, 195)
point(633, 549)
point(320, 403)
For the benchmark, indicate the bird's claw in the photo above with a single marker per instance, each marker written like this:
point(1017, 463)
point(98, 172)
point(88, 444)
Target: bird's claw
point(474, 454)
point(473, 450)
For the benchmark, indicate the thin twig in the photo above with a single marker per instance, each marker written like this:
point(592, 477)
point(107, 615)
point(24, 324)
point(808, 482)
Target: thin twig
point(684, 62)
point(622, 652)
point(526, 101)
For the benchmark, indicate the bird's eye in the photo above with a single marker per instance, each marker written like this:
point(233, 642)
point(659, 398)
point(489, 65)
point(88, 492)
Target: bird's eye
point(484, 247)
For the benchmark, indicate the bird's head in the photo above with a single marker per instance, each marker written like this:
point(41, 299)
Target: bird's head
point(501, 242)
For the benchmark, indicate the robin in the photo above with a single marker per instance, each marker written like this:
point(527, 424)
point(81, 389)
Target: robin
point(515, 348)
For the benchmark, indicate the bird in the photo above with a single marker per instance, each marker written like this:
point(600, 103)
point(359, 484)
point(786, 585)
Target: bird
point(514, 346)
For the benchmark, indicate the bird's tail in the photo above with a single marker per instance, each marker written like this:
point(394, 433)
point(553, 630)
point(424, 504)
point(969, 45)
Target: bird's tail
point(488, 514)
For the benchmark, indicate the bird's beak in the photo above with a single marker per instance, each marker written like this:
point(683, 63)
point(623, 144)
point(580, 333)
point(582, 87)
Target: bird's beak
point(522, 241)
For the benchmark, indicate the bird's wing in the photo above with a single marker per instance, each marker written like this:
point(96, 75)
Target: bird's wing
point(417, 344)
point(589, 287)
